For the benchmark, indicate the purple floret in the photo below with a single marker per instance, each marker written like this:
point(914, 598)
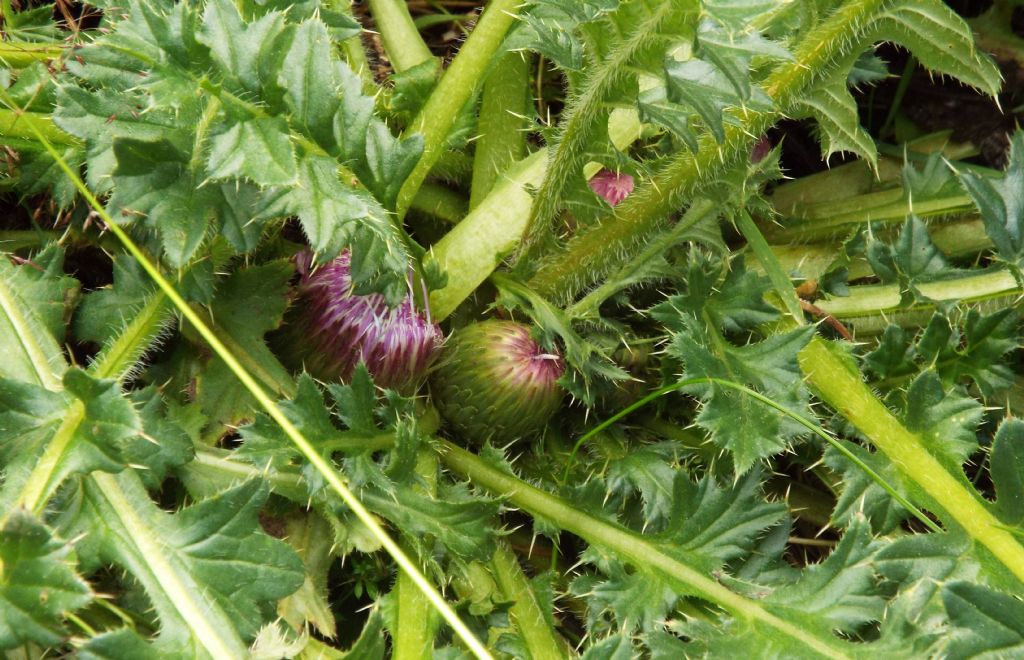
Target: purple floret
point(612, 186)
point(397, 344)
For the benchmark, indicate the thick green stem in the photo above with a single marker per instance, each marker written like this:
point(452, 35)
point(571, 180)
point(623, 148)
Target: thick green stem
point(402, 41)
point(440, 202)
point(471, 251)
point(956, 238)
point(878, 300)
point(598, 248)
point(840, 385)
point(414, 627)
point(455, 88)
point(634, 548)
point(502, 123)
point(527, 615)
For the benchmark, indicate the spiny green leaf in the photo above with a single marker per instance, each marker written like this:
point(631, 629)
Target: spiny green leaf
point(935, 180)
point(37, 583)
point(748, 428)
point(310, 85)
point(912, 259)
point(248, 304)
point(457, 520)
point(31, 323)
point(637, 599)
point(267, 446)
point(948, 422)
point(647, 471)
point(104, 312)
point(1007, 461)
point(840, 592)
point(234, 571)
point(152, 180)
point(119, 644)
point(550, 28)
point(257, 149)
point(240, 48)
point(831, 104)
point(1001, 203)
point(988, 623)
point(861, 496)
point(941, 41)
point(334, 216)
point(703, 87)
point(718, 524)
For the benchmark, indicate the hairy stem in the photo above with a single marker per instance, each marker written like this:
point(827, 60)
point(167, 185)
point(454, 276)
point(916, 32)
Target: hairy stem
point(598, 248)
point(455, 88)
point(586, 112)
point(588, 306)
point(634, 548)
point(527, 614)
point(841, 387)
point(502, 123)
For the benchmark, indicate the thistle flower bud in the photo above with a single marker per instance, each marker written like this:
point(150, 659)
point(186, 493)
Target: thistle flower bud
point(495, 383)
point(334, 329)
point(612, 186)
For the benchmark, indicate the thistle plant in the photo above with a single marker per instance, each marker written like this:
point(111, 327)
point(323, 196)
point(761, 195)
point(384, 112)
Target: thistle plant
point(206, 454)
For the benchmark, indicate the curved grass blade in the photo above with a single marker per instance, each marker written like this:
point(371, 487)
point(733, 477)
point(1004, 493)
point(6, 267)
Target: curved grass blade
point(322, 466)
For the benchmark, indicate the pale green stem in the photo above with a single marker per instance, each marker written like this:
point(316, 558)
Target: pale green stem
point(474, 248)
point(414, 629)
point(440, 202)
point(453, 91)
point(502, 123)
point(402, 41)
point(840, 385)
point(880, 299)
point(637, 550)
point(528, 617)
point(334, 480)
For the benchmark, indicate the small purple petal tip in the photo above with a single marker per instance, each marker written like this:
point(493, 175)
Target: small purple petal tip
point(612, 186)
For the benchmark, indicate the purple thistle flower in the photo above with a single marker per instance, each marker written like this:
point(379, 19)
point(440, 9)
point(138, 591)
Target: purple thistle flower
point(336, 329)
point(612, 186)
point(496, 383)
